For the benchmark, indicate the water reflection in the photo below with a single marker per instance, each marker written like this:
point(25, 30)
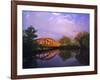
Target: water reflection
point(61, 58)
point(58, 58)
point(83, 57)
point(47, 54)
point(65, 54)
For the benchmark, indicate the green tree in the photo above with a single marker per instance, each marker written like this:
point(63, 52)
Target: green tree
point(28, 45)
point(29, 38)
point(86, 41)
point(65, 40)
point(83, 39)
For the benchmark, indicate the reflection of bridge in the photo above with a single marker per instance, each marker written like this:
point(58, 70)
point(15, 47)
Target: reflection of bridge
point(48, 42)
point(47, 54)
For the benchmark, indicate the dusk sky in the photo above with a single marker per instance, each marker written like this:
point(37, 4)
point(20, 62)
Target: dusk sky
point(56, 24)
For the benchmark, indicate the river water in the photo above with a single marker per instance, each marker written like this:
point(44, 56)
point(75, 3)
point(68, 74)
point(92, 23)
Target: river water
point(62, 58)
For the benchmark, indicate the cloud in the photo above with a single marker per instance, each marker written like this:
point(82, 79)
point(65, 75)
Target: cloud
point(56, 24)
point(56, 14)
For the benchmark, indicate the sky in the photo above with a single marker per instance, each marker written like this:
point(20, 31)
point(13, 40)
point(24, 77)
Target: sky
point(56, 24)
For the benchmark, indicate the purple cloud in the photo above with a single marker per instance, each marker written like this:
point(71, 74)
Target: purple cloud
point(56, 25)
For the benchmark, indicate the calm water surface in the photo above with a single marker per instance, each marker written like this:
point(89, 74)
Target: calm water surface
point(62, 58)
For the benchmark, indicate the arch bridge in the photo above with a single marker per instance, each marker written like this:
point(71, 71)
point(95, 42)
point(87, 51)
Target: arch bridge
point(48, 42)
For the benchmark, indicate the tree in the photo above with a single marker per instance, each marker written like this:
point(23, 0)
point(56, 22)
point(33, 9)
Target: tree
point(82, 38)
point(86, 41)
point(65, 40)
point(81, 35)
point(28, 45)
point(29, 34)
point(29, 39)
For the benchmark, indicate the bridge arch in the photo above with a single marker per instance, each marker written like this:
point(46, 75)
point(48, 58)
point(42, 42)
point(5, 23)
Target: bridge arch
point(49, 42)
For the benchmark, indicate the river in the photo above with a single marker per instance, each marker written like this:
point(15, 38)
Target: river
point(62, 58)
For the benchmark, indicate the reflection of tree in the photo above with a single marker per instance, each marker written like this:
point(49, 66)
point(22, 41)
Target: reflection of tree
point(65, 40)
point(65, 54)
point(83, 57)
point(28, 45)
